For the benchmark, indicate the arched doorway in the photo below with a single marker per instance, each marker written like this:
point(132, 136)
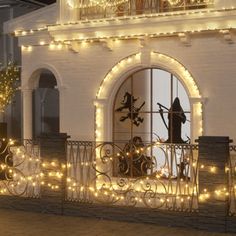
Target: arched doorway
point(45, 104)
point(152, 105)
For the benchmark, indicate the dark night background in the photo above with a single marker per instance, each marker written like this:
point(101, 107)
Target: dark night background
point(47, 1)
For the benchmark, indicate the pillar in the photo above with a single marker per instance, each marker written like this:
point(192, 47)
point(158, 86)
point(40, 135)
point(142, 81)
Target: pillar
point(27, 113)
point(62, 108)
point(213, 159)
point(53, 155)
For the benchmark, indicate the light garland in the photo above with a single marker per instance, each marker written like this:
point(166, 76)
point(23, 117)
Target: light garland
point(40, 179)
point(108, 3)
point(60, 44)
point(192, 2)
point(78, 4)
point(25, 32)
point(134, 61)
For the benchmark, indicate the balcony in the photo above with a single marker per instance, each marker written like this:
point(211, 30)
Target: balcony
point(95, 9)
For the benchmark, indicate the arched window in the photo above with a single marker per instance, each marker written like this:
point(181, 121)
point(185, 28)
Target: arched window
point(152, 105)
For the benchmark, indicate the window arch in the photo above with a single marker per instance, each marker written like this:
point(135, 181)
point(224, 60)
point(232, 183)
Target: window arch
point(153, 105)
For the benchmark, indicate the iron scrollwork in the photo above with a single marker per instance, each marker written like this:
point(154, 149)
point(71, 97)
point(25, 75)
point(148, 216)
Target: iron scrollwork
point(153, 186)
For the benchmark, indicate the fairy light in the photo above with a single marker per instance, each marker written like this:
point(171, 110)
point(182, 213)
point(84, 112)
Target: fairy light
point(107, 190)
point(213, 169)
point(42, 43)
point(59, 46)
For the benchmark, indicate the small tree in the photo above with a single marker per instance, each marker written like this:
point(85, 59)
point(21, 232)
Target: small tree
point(9, 77)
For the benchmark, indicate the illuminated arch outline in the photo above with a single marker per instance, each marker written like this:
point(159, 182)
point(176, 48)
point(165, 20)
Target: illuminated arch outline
point(131, 64)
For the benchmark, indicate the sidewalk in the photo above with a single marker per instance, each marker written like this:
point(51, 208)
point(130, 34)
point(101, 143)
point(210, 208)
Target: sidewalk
point(17, 223)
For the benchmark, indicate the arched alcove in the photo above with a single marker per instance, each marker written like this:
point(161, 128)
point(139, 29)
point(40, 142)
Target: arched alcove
point(45, 105)
point(45, 102)
point(31, 80)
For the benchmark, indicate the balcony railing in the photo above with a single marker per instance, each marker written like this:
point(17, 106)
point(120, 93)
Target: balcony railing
point(136, 7)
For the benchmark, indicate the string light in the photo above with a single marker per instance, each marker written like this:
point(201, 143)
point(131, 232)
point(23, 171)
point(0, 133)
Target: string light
point(73, 185)
point(92, 21)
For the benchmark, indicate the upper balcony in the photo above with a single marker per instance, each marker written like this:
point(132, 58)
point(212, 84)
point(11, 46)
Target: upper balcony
point(74, 10)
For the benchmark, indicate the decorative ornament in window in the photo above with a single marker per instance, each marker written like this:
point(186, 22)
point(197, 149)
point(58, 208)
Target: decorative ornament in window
point(128, 103)
point(176, 118)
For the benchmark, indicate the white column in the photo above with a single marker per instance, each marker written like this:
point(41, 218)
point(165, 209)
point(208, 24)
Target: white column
point(197, 118)
point(62, 112)
point(27, 113)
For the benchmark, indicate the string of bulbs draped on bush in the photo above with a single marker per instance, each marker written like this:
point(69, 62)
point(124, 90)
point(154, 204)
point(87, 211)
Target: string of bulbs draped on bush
point(9, 77)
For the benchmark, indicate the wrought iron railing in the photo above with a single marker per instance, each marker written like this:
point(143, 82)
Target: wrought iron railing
point(136, 7)
point(155, 175)
point(20, 169)
point(150, 175)
point(80, 172)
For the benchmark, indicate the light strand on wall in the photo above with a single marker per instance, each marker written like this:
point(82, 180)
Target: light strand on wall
point(116, 69)
point(155, 57)
point(58, 44)
point(25, 32)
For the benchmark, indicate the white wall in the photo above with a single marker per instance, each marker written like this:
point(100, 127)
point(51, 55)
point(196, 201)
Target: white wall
point(210, 59)
point(225, 3)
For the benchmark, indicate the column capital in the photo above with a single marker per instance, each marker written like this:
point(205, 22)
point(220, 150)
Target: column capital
point(26, 89)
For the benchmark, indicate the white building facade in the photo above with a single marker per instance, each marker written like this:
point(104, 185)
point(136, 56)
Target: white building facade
point(92, 52)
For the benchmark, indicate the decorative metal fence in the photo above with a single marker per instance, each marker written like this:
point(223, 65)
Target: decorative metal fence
point(93, 10)
point(20, 169)
point(151, 175)
point(80, 172)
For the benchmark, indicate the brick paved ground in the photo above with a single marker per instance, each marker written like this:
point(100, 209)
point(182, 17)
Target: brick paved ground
point(17, 223)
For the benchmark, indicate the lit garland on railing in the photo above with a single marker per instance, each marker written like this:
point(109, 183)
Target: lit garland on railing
point(78, 4)
point(110, 3)
point(102, 190)
point(178, 2)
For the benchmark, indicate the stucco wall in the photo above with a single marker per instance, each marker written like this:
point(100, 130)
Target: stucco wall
point(209, 58)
